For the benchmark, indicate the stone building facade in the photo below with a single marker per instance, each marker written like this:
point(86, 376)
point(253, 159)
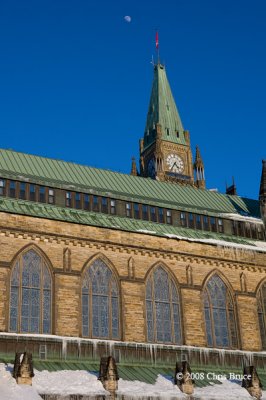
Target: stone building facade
point(92, 254)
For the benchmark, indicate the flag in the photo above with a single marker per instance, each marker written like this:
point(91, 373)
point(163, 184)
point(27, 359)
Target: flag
point(157, 41)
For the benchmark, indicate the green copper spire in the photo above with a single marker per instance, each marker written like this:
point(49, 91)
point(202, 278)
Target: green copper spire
point(163, 111)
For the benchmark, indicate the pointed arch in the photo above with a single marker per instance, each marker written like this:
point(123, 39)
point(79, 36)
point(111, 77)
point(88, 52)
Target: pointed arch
point(163, 308)
point(100, 299)
point(219, 312)
point(261, 300)
point(30, 292)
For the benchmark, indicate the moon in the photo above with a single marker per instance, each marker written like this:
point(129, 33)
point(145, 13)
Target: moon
point(127, 18)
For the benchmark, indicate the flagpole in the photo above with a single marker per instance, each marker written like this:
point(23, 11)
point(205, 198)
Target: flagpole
point(157, 47)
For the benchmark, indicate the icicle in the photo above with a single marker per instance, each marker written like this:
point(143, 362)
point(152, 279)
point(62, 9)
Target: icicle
point(64, 348)
point(95, 349)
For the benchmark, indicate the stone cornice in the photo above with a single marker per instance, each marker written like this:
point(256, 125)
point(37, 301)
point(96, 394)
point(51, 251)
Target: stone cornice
point(131, 249)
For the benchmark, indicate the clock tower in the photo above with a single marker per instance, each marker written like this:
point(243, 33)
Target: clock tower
point(165, 152)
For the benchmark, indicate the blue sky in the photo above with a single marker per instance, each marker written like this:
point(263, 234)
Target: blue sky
point(75, 80)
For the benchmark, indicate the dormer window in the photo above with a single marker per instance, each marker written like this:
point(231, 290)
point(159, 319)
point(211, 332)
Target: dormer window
point(167, 131)
point(32, 192)
point(12, 189)
point(22, 190)
point(42, 194)
point(51, 196)
point(2, 187)
point(68, 199)
point(177, 134)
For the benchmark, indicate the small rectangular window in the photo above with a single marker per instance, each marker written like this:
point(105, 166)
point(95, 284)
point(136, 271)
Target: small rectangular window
point(234, 227)
point(206, 226)
point(2, 187)
point(198, 221)
point(153, 214)
point(183, 219)
point(247, 229)
point(95, 204)
point(112, 207)
point(220, 225)
point(86, 202)
point(145, 214)
point(43, 351)
point(51, 196)
point(241, 228)
point(42, 194)
point(191, 220)
point(136, 211)
point(22, 190)
point(169, 217)
point(104, 205)
point(128, 210)
point(78, 201)
point(68, 199)
point(12, 189)
point(213, 224)
point(32, 192)
point(260, 233)
point(254, 231)
point(161, 215)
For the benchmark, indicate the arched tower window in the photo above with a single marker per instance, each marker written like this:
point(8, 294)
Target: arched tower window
point(100, 303)
point(162, 308)
point(219, 314)
point(262, 314)
point(30, 295)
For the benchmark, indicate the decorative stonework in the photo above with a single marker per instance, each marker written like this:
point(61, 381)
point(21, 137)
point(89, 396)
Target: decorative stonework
point(23, 369)
point(108, 374)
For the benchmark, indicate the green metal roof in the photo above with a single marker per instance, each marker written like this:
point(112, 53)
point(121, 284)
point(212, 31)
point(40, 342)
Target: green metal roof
point(61, 174)
point(163, 110)
point(47, 211)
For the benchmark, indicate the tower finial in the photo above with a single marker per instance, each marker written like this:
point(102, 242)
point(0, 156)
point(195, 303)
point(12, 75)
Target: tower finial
point(134, 171)
point(199, 170)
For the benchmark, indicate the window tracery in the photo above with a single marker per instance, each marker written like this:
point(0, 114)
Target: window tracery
point(262, 314)
point(100, 303)
point(219, 314)
point(30, 295)
point(163, 315)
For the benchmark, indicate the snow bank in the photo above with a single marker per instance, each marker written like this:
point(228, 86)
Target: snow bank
point(162, 388)
point(67, 382)
point(9, 390)
point(85, 383)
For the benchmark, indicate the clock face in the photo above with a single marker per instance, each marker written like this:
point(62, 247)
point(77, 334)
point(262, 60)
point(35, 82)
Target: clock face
point(151, 168)
point(175, 163)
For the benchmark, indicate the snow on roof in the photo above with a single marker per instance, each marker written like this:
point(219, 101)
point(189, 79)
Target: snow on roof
point(239, 217)
point(257, 245)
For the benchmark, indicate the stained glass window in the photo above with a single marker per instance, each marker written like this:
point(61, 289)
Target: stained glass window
point(162, 308)
point(30, 297)
point(219, 314)
point(262, 314)
point(100, 303)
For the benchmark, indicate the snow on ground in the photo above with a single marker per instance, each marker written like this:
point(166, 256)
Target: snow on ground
point(67, 382)
point(163, 388)
point(226, 391)
point(9, 390)
point(85, 383)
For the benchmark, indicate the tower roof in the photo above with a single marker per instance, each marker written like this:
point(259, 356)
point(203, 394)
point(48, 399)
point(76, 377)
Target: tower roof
point(263, 180)
point(162, 110)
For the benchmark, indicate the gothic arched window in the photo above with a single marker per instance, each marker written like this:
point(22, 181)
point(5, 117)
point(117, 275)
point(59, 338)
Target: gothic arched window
point(100, 304)
point(262, 314)
point(162, 308)
point(219, 314)
point(30, 295)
